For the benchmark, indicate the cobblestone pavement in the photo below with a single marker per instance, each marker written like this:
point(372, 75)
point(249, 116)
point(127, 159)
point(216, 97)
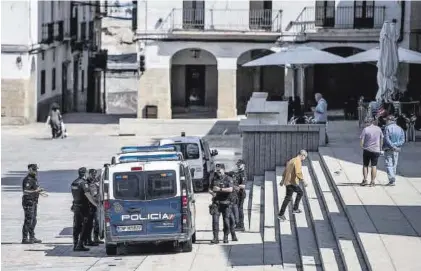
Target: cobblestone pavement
point(91, 145)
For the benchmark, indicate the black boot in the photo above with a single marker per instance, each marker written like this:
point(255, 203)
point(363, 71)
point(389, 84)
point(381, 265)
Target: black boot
point(96, 240)
point(89, 243)
point(35, 240)
point(234, 237)
point(75, 241)
point(80, 247)
point(240, 227)
point(25, 240)
point(226, 238)
point(215, 239)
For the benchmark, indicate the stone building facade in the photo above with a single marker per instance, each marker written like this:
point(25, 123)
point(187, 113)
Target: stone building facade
point(47, 48)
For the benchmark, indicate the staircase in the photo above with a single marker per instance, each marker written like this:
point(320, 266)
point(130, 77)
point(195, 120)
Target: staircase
point(320, 238)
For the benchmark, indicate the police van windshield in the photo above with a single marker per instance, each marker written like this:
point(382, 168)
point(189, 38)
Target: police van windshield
point(190, 151)
point(148, 185)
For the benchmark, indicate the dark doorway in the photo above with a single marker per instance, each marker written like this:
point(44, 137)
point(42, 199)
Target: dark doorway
point(64, 98)
point(90, 103)
point(363, 14)
point(339, 83)
point(75, 82)
point(193, 14)
point(195, 85)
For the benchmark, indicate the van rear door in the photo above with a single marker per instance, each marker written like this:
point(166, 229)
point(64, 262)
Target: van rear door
point(145, 203)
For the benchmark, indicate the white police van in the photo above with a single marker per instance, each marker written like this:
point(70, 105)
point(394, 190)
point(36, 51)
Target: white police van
point(197, 153)
point(147, 196)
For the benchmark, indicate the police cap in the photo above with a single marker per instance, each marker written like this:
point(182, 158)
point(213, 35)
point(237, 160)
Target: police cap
point(82, 171)
point(218, 166)
point(240, 162)
point(33, 166)
point(92, 171)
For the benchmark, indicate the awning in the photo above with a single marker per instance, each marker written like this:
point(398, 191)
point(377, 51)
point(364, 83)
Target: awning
point(372, 55)
point(301, 55)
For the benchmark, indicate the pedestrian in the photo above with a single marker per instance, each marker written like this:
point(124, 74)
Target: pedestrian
point(371, 141)
point(221, 189)
point(92, 209)
point(54, 120)
point(291, 178)
point(240, 177)
point(81, 199)
point(394, 138)
point(30, 197)
point(320, 112)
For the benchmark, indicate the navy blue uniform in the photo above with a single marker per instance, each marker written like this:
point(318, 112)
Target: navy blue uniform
point(80, 209)
point(222, 205)
point(29, 204)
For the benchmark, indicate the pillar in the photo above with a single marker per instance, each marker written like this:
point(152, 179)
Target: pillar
point(289, 82)
point(227, 88)
point(155, 89)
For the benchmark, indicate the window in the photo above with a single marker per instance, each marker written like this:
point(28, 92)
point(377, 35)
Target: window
point(42, 55)
point(190, 151)
point(128, 186)
point(42, 82)
point(53, 79)
point(54, 55)
point(83, 80)
point(161, 184)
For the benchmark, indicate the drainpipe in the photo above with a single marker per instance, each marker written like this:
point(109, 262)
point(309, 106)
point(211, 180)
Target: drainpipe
point(401, 31)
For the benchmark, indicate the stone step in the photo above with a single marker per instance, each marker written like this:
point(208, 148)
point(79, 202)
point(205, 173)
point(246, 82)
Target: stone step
point(247, 205)
point(287, 233)
point(327, 247)
point(345, 239)
point(373, 246)
point(271, 249)
point(256, 204)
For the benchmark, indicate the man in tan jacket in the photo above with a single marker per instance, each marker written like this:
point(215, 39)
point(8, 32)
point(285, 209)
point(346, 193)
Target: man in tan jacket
point(290, 178)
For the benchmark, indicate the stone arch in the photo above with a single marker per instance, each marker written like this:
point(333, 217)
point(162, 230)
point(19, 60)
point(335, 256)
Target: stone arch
point(343, 84)
point(253, 79)
point(194, 83)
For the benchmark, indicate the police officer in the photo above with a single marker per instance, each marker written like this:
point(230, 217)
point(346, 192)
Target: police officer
point(81, 199)
point(95, 194)
point(240, 182)
point(220, 189)
point(92, 209)
point(30, 197)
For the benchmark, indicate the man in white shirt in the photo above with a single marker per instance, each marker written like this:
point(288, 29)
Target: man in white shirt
point(320, 112)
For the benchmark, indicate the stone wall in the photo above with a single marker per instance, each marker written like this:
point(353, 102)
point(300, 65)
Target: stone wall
point(154, 89)
point(13, 102)
point(268, 146)
point(227, 93)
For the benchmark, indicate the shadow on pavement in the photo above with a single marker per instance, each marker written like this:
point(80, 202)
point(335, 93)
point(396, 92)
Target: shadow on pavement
point(94, 118)
point(53, 181)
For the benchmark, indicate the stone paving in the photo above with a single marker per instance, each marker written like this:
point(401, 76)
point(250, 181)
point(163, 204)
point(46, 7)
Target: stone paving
point(387, 219)
point(91, 145)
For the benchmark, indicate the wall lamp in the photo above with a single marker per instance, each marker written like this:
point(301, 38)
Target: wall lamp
point(19, 63)
point(195, 53)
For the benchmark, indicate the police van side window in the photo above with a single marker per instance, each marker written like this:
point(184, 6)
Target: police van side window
point(128, 186)
point(161, 184)
point(192, 151)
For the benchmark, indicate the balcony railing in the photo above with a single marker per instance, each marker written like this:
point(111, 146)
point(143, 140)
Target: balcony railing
point(226, 20)
point(368, 17)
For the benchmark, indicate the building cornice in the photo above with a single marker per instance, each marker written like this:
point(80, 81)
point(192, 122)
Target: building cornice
point(15, 49)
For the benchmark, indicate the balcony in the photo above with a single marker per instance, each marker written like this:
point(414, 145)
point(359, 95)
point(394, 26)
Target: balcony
point(59, 31)
point(218, 24)
point(348, 21)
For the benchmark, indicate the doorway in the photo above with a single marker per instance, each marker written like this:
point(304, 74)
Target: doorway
point(195, 85)
point(64, 97)
point(363, 14)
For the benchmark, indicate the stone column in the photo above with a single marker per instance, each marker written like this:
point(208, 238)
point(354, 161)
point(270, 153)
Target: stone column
point(155, 89)
point(227, 89)
point(289, 82)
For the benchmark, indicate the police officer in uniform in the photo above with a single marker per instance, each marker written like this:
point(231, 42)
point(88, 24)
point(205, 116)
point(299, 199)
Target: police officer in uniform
point(81, 199)
point(30, 197)
point(95, 194)
point(221, 189)
point(92, 209)
point(240, 182)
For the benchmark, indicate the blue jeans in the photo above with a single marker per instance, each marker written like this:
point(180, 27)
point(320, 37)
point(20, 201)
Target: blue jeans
point(391, 160)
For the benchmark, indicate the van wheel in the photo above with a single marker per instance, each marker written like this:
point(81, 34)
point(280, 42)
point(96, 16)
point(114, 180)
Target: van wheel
point(193, 238)
point(111, 250)
point(187, 246)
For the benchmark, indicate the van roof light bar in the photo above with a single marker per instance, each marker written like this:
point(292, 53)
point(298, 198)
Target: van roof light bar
point(150, 158)
point(130, 149)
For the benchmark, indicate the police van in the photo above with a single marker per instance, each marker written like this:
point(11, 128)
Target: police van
point(147, 196)
point(197, 153)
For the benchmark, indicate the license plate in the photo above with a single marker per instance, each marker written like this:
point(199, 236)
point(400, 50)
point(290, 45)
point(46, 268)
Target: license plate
point(129, 228)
